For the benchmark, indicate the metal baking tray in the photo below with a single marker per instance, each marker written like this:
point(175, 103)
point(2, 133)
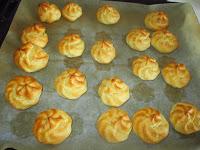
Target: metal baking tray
point(16, 126)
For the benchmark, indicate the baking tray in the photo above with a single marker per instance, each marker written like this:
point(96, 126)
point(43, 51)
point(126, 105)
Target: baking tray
point(16, 126)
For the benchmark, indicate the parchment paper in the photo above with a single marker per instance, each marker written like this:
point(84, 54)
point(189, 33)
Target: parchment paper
point(16, 126)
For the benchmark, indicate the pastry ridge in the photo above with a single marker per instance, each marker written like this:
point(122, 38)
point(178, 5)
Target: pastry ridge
point(185, 118)
point(30, 57)
point(103, 51)
point(156, 20)
point(72, 11)
point(150, 125)
point(113, 91)
point(164, 41)
point(176, 75)
point(71, 84)
point(22, 92)
point(52, 126)
point(107, 14)
point(145, 67)
point(36, 34)
point(48, 12)
point(114, 125)
point(71, 45)
point(138, 39)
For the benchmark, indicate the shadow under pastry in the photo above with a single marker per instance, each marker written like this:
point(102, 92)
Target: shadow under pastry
point(75, 62)
point(142, 92)
point(74, 31)
point(77, 125)
point(103, 67)
point(22, 124)
point(102, 36)
point(174, 94)
point(164, 60)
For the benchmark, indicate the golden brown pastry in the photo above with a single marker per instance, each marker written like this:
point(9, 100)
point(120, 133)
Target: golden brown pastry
point(103, 51)
point(113, 91)
point(150, 125)
point(35, 34)
point(52, 126)
point(114, 125)
point(145, 67)
point(156, 20)
point(176, 75)
point(164, 41)
point(22, 92)
point(138, 39)
point(72, 11)
point(48, 12)
point(71, 84)
point(71, 45)
point(30, 57)
point(107, 15)
point(185, 118)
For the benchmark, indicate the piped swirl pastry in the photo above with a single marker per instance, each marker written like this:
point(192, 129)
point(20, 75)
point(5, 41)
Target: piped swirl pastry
point(107, 14)
point(185, 118)
point(176, 75)
point(71, 84)
point(35, 34)
point(22, 92)
point(114, 125)
point(52, 126)
point(164, 41)
point(48, 12)
point(113, 91)
point(72, 11)
point(145, 67)
point(103, 51)
point(156, 20)
point(150, 125)
point(138, 39)
point(30, 57)
point(71, 45)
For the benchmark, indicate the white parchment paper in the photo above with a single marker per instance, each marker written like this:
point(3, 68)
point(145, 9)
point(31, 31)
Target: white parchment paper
point(16, 126)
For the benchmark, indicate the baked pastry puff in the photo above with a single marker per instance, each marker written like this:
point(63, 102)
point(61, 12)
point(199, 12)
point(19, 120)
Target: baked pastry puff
point(71, 45)
point(22, 92)
point(150, 125)
point(156, 20)
point(114, 125)
point(164, 41)
point(103, 51)
point(113, 91)
point(145, 67)
point(30, 57)
point(72, 11)
point(35, 34)
point(185, 118)
point(138, 39)
point(52, 126)
point(48, 12)
point(71, 84)
point(107, 14)
point(176, 75)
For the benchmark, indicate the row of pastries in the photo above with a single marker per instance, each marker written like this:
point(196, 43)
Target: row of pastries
point(72, 84)
point(49, 13)
point(148, 123)
point(53, 126)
